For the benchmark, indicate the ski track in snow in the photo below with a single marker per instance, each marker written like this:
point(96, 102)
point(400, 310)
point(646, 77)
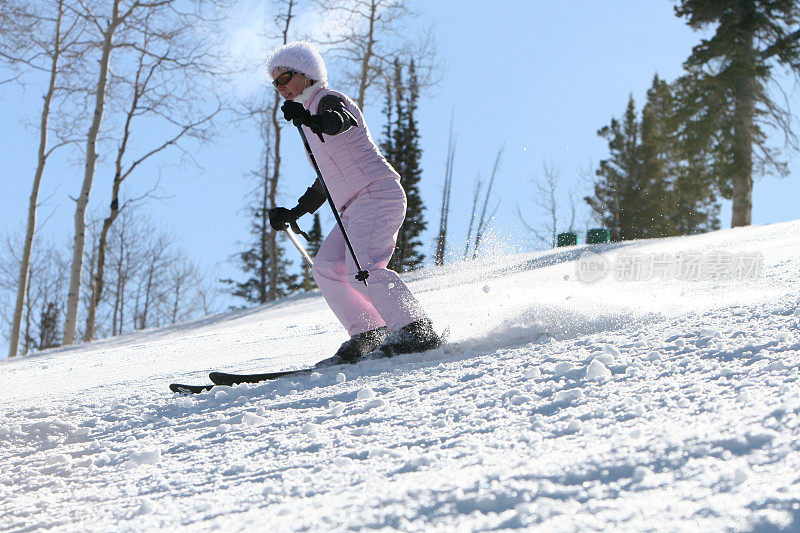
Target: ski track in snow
point(557, 406)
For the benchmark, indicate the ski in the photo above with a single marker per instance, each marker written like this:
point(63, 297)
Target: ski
point(223, 378)
point(228, 379)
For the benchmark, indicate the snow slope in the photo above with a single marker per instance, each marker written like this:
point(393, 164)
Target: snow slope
point(560, 405)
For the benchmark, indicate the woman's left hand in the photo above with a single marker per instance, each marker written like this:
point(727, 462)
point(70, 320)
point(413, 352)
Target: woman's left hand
point(295, 112)
point(300, 116)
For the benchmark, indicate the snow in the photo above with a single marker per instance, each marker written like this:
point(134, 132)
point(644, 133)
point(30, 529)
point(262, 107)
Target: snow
point(597, 370)
point(558, 405)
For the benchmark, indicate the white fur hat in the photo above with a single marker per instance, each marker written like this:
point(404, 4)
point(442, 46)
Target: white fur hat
point(300, 56)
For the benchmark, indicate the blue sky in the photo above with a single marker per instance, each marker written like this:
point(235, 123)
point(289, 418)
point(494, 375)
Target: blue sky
point(539, 77)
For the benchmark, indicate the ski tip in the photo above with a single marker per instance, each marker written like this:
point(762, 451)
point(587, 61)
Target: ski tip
point(220, 378)
point(186, 390)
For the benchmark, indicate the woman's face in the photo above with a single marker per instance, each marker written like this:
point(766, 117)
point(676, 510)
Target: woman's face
point(296, 84)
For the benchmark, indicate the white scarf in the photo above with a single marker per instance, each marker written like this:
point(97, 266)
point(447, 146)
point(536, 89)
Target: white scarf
point(308, 92)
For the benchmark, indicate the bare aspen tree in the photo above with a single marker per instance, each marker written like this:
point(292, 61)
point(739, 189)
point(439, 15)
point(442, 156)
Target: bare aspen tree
point(107, 29)
point(161, 87)
point(257, 259)
point(573, 209)
point(122, 263)
point(150, 281)
point(483, 221)
point(126, 254)
point(263, 260)
point(44, 292)
point(283, 20)
point(208, 293)
point(38, 40)
point(181, 279)
point(143, 262)
point(162, 286)
point(544, 197)
point(166, 291)
point(441, 240)
point(170, 44)
point(22, 283)
point(148, 291)
point(367, 36)
point(475, 198)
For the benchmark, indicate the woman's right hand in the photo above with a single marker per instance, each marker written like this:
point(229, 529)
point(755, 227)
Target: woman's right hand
point(280, 217)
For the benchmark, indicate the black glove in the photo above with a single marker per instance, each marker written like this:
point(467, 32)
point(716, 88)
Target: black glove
point(295, 112)
point(300, 116)
point(280, 217)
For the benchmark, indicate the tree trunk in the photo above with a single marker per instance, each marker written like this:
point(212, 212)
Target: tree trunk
point(482, 222)
point(24, 269)
point(26, 347)
point(97, 279)
point(744, 118)
point(474, 211)
point(743, 165)
point(116, 319)
point(79, 243)
point(441, 241)
point(264, 242)
point(743, 157)
point(176, 303)
point(272, 236)
point(148, 288)
point(365, 61)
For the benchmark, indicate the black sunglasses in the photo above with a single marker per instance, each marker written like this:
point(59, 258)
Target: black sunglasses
point(284, 78)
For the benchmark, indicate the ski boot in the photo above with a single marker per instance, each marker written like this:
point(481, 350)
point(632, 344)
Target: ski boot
point(418, 336)
point(356, 347)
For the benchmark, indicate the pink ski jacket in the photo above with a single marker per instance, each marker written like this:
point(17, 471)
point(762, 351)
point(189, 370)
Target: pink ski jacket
point(349, 161)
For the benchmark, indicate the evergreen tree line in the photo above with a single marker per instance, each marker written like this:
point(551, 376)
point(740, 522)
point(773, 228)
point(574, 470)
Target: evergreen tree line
point(703, 137)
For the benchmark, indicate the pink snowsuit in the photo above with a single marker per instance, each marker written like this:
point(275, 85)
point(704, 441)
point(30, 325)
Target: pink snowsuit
point(367, 192)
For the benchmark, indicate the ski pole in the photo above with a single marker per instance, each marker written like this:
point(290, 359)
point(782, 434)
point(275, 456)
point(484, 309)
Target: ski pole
point(303, 252)
point(362, 274)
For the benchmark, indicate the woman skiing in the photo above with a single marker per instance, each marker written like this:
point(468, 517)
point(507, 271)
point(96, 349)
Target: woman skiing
point(383, 314)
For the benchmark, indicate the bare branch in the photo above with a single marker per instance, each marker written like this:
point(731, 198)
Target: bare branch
point(368, 35)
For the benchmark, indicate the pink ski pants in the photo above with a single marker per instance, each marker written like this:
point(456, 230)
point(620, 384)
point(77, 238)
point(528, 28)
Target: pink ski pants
point(372, 221)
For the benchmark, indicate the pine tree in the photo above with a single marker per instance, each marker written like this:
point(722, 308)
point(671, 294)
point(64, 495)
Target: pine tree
point(255, 261)
point(264, 283)
point(619, 194)
point(401, 148)
point(693, 191)
point(727, 79)
point(49, 334)
point(307, 282)
point(653, 184)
